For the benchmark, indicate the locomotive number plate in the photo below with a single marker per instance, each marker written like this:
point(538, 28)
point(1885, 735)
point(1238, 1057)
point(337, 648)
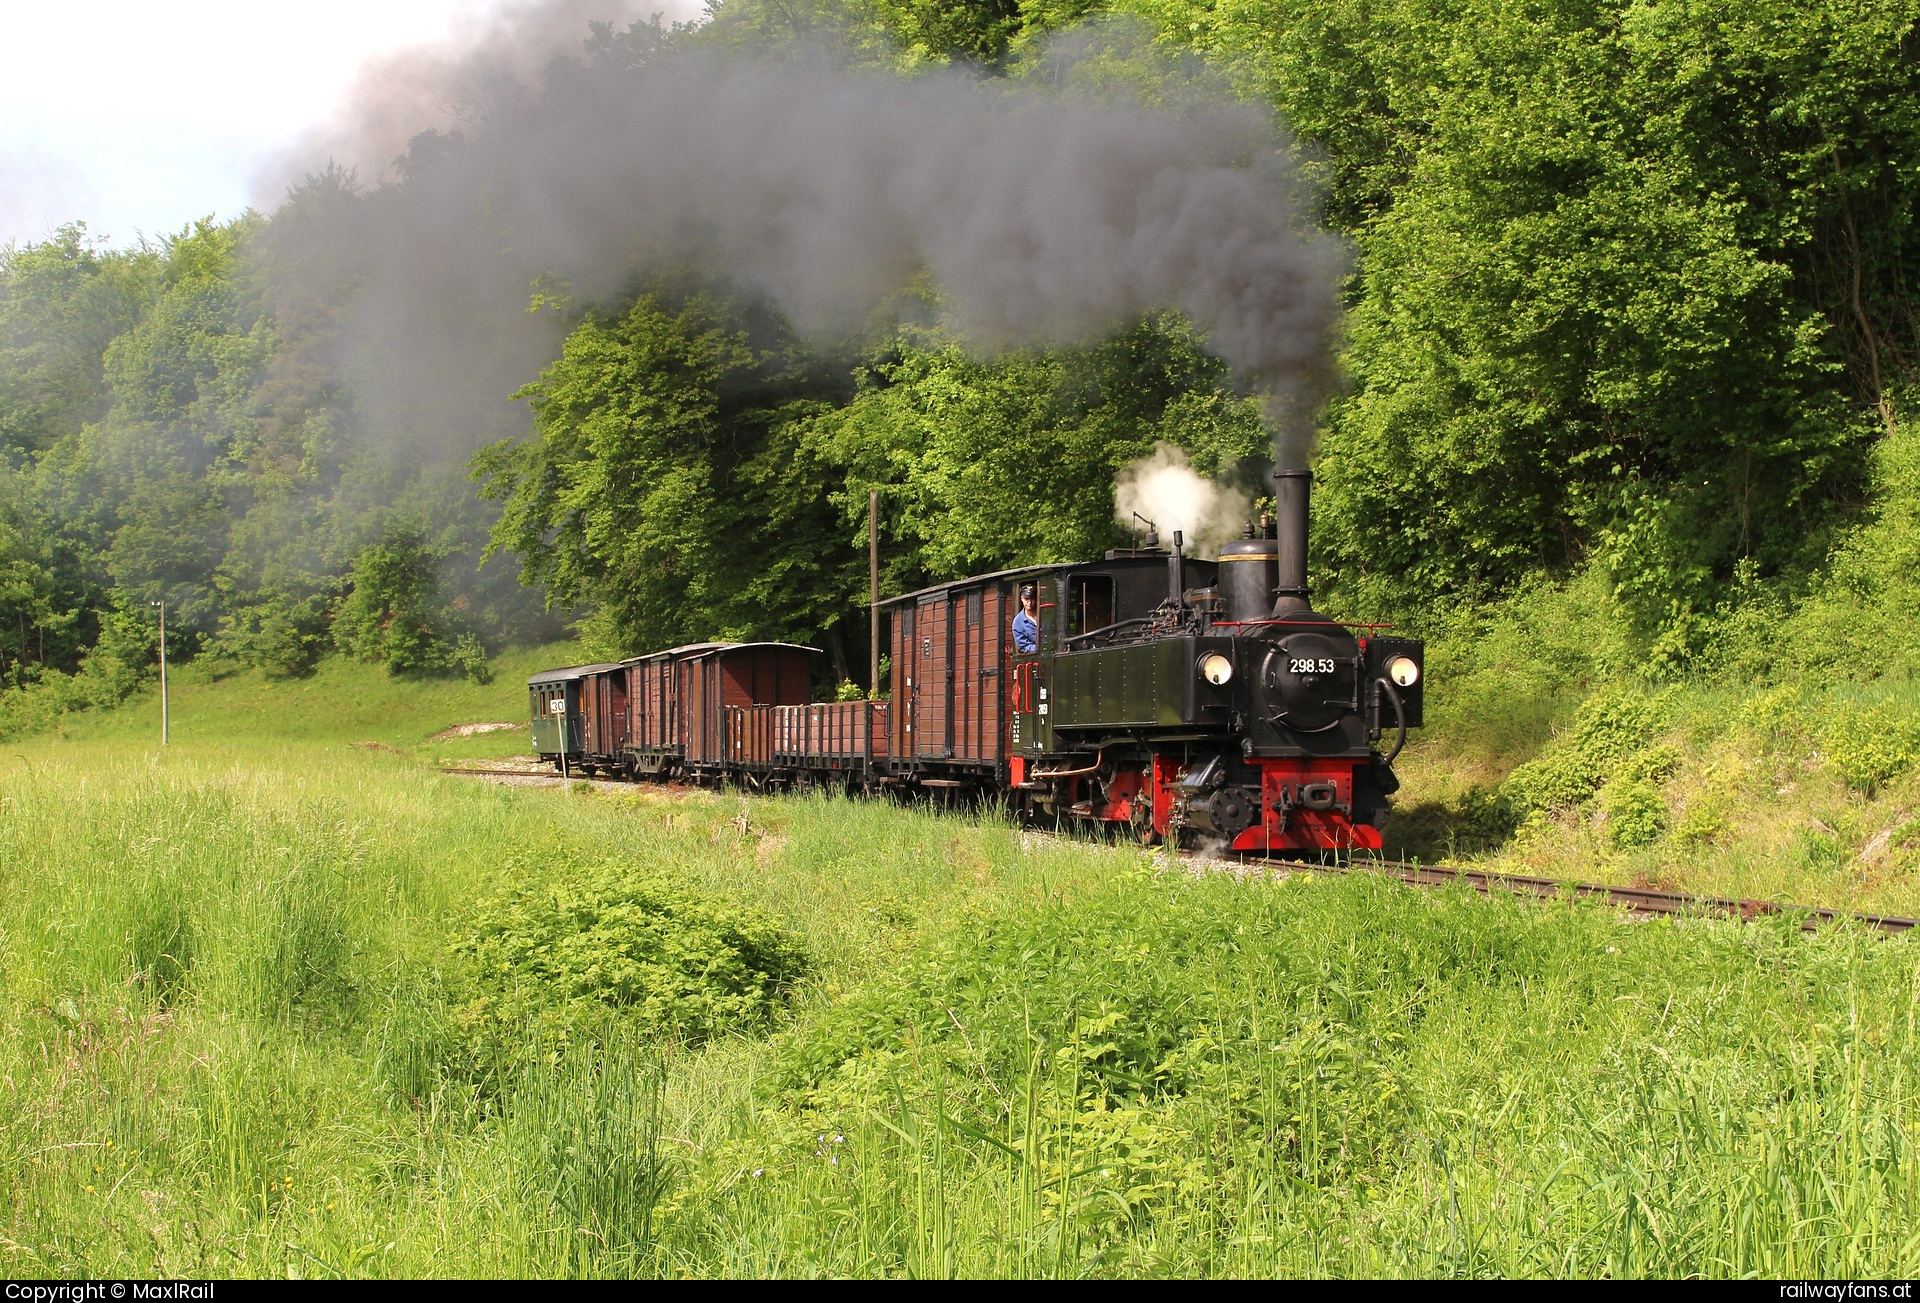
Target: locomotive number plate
point(1310, 665)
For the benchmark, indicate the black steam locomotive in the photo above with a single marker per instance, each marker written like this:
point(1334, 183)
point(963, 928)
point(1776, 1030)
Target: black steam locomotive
point(1200, 703)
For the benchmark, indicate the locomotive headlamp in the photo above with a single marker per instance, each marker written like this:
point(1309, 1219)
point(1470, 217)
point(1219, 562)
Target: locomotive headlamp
point(1403, 671)
point(1216, 669)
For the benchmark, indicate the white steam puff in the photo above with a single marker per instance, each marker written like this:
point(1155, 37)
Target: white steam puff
point(1166, 489)
point(1042, 218)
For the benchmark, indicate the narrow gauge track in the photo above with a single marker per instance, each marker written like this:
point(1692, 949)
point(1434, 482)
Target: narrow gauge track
point(476, 772)
point(1646, 901)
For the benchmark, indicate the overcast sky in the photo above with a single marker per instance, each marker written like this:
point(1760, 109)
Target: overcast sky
point(138, 116)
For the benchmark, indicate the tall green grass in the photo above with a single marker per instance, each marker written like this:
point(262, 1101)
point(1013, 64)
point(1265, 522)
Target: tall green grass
point(230, 1009)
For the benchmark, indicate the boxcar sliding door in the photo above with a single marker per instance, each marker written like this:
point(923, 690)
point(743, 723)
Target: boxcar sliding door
point(979, 639)
point(933, 679)
point(905, 681)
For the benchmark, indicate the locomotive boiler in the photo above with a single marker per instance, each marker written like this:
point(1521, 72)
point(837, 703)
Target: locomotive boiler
point(1199, 703)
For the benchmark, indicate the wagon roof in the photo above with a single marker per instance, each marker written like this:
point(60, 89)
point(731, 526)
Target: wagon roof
point(719, 648)
point(685, 649)
point(971, 580)
point(570, 673)
point(696, 650)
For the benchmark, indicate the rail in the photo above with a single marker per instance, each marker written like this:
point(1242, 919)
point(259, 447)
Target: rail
point(1639, 900)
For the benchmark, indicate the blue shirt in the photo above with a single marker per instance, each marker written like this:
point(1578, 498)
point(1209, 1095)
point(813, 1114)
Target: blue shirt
point(1026, 633)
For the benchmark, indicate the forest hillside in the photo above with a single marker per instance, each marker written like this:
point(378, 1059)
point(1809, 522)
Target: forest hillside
point(1629, 318)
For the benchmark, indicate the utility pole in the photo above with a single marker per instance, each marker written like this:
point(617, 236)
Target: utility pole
point(163, 669)
point(873, 591)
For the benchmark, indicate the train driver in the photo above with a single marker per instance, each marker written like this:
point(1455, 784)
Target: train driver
point(1026, 629)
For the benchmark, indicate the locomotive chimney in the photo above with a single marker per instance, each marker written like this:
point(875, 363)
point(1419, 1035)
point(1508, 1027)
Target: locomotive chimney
point(1291, 489)
point(1177, 572)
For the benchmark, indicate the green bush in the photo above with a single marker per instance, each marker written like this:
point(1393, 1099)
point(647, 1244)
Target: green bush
point(1857, 618)
point(470, 656)
point(1702, 822)
point(1636, 816)
point(1778, 712)
point(1610, 731)
point(559, 948)
point(1870, 745)
point(1483, 817)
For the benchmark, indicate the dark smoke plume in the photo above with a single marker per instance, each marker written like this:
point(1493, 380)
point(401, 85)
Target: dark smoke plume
point(1042, 218)
point(498, 56)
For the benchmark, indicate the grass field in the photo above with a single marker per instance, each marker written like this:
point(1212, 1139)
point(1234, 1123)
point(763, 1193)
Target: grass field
point(272, 1003)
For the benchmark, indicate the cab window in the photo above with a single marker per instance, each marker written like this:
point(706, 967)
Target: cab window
point(1089, 603)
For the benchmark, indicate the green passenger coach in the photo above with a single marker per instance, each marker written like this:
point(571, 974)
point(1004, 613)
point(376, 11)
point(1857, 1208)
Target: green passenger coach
point(554, 708)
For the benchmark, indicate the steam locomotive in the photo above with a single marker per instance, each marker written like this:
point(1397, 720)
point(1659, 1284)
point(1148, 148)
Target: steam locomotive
point(1181, 701)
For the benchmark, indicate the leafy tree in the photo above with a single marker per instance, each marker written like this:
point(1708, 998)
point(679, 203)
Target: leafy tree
point(283, 634)
point(172, 535)
point(41, 600)
point(184, 429)
point(1636, 280)
point(990, 464)
point(976, 31)
point(668, 479)
point(62, 303)
point(394, 614)
point(698, 475)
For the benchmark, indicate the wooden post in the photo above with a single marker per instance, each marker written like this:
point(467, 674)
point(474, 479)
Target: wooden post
point(163, 669)
point(873, 591)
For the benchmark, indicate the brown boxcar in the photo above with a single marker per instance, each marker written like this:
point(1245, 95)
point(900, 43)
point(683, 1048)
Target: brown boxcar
point(952, 653)
point(954, 661)
point(738, 674)
point(604, 716)
point(656, 706)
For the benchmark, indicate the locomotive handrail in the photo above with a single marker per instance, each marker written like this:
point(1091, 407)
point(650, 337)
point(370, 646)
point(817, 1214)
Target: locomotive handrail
point(1400, 711)
point(1107, 628)
point(1306, 624)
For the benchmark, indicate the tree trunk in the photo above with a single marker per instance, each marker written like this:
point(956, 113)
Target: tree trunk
point(837, 649)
